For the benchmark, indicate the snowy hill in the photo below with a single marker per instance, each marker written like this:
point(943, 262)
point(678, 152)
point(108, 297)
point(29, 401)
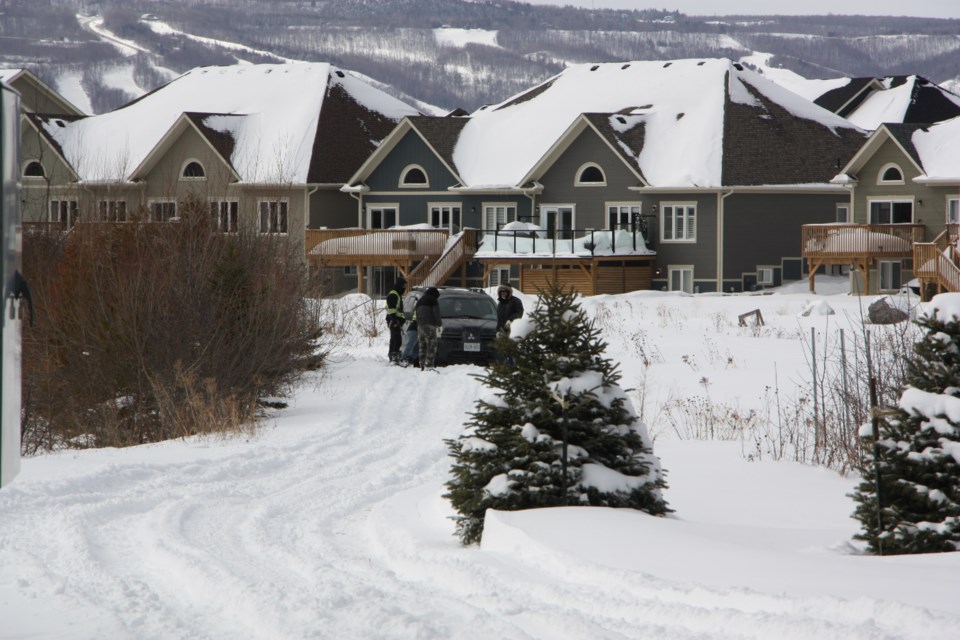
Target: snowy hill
point(329, 520)
point(457, 54)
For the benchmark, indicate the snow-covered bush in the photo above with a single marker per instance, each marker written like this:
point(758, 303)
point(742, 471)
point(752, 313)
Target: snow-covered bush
point(909, 499)
point(557, 429)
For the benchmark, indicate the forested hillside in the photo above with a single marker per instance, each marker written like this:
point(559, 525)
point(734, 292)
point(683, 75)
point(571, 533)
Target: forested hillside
point(450, 53)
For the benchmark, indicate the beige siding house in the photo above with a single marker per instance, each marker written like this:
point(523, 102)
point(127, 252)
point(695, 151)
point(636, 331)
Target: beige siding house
point(904, 209)
point(263, 148)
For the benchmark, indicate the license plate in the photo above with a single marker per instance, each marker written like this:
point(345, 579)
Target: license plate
point(471, 346)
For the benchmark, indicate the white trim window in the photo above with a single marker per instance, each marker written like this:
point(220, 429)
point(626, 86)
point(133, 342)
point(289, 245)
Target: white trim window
point(890, 173)
point(112, 210)
point(64, 212)
point(765, 276)
point(678, 222)
point(559, 220)
point(414, 177)
point(446, 216)
point(34, 169)
point(162, 210)
point(225, 215)
point(497, 215)
point(680, 278)
point(953, 210)
point(500, 274)
point(590, 174)
point(382, 216)
point(622, 215)
point(193, 170)
point(891, 211)
point(843, 212)
point(273, 216)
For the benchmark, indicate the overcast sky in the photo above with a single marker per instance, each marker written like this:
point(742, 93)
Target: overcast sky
point(924, 8)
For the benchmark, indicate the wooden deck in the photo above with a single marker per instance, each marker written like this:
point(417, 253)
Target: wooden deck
point(936, 263)
point(399, 248)
point(858, 245)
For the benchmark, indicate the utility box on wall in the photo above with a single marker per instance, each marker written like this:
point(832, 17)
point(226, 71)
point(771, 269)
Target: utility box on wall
point(10, 243)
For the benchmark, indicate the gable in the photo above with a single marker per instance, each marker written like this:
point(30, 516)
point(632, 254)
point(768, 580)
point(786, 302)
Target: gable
point(410, 149)
point(887, 152)
point(184, 140)
point(163, 171)
point(560, 170)
point(37, 97)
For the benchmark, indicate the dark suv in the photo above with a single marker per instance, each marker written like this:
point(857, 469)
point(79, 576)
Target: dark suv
point(469, 319)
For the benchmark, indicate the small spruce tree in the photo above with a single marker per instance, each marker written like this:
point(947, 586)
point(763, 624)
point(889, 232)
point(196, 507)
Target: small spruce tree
point(916, 458)
point(557, 429)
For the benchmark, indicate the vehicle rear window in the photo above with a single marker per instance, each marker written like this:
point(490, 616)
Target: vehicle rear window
point(457, 307)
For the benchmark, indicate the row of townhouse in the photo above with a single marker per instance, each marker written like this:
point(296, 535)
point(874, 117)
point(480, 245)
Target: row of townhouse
point(690, 175)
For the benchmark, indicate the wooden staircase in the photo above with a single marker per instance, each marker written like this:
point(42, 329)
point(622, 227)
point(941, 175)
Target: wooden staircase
point(432, 273)
point(936, 262)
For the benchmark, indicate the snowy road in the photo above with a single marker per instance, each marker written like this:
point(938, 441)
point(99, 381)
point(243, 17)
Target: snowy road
point(329, 523)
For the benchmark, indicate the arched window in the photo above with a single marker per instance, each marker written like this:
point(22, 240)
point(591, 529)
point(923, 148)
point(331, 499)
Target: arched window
point(591, 174)
point(33, 170)
point(414, 176)
point(193, 170)
point(890, 174)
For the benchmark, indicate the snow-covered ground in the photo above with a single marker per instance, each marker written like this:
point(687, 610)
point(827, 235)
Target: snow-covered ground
point(329, 521)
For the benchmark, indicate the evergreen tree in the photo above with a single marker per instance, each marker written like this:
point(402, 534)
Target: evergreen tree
point(556, 430)
point(916, 458)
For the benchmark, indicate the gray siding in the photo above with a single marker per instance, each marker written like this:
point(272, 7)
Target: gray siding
point(410, 150)
point(760, 230)
point(331, 208)
point(701, 255)
point(929, 208)
point(559, 181)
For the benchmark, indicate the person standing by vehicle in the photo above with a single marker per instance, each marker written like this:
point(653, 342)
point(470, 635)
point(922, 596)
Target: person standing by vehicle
point(395, 318)
point(509, 307)
point(429, 326)
point(411, 348)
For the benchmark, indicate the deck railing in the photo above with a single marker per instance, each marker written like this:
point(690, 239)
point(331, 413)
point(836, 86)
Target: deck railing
point(452, 259)
point(937, 261)
point(375, 243)
point(875, 240)
point(563, 241)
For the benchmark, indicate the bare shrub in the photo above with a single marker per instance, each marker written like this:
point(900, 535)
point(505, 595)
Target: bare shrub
point(146, 332)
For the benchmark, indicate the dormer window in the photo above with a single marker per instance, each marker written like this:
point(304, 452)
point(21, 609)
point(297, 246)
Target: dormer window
point(890, 174)
point(414, 177)
point(590, 175)
point(193, 170)
point(34, 170)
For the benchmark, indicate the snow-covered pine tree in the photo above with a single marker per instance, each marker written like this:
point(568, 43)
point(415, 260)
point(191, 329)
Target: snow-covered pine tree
point(917, 453)
point(556, 430)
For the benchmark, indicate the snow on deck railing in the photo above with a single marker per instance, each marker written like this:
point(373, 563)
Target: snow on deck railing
point(860, 239)
point(569, 242)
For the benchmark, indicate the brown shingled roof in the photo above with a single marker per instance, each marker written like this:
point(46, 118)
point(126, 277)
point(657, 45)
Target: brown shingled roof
point(222, 141)
point(767, 145)
point(347, 133)
point(440, 133)
point(628, 143)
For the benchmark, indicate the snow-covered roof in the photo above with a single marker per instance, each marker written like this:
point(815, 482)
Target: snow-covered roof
point(682, 107)
point(271, 112)
point(936, 147)
point(8, 75)
point(907, 100)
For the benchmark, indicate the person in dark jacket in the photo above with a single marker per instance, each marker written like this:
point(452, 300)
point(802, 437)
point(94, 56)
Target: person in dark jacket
point(429, 326)
point(411, 348)
point(395, 318)
point(509, 307)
